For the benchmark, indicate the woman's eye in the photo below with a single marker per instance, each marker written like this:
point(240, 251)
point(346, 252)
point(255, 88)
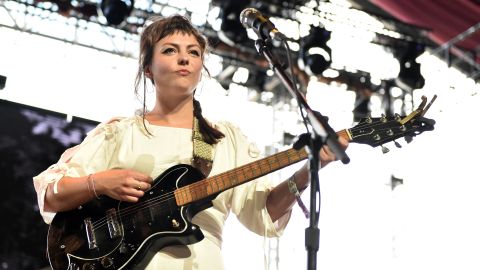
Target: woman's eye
point(196, 53)
point(168, 50)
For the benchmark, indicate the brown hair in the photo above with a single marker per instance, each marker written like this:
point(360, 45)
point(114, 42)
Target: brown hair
point(159, 28)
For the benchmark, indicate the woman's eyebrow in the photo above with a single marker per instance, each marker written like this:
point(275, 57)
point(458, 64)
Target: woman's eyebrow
point(177, 45)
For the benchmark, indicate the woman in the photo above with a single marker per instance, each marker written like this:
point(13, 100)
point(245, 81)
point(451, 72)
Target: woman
point(119, 159)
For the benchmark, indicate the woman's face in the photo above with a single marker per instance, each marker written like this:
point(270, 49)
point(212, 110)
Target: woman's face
point(176, 65)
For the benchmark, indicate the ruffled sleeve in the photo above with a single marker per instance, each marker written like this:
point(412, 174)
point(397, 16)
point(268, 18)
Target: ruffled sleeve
point(91, 155)
point(248, 201)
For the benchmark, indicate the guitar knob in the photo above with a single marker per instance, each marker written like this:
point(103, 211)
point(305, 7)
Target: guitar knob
point(106, 262)
point(88, 266)
point(175, 223)
point(123, 249)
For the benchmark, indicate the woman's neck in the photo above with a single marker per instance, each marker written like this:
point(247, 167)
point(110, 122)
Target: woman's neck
point(172, 113)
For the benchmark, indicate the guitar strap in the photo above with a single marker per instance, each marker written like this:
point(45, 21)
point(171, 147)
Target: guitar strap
point(203, 152)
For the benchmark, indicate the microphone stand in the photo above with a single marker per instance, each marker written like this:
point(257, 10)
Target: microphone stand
point(322, 134)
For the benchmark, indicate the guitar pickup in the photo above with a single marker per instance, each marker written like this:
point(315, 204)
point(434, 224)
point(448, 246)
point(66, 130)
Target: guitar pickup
point(92, 241)
point(113, 224)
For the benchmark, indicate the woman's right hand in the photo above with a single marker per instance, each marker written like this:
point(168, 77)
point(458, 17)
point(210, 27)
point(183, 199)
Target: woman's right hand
point(122, 184)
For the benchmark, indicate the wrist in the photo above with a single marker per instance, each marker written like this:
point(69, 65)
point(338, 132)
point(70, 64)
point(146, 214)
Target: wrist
point(91, 186)
point(293, 188)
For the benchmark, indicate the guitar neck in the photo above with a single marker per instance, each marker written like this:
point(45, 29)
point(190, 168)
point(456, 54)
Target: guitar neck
point(224, 181)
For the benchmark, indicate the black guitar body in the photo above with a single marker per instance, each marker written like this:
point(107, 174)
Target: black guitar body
point(109, 234)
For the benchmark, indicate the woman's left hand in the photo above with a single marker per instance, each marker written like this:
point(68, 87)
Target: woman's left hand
point(327, 156)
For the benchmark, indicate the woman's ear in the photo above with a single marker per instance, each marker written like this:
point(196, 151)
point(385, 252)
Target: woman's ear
point(148, 73)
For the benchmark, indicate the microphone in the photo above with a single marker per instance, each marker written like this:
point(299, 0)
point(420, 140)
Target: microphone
point(263, 27)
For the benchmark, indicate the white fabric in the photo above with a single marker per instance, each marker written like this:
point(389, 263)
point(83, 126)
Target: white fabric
point(123, 143)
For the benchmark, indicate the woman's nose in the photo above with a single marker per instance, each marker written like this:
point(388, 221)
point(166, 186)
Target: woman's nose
point(183, 59)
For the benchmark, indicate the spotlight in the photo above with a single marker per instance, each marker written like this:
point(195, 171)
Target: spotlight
point(3, 81)
point(363, 93)
point(116, 11)
point(232, 31)
point(315, 55)
point(409, 77)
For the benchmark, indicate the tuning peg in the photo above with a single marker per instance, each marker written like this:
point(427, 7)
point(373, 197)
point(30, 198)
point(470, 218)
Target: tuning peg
point(428, 105)
point(398, 145)
point(398, 117)
point(383, 118)
point(385, 149)
point(369, 119)
point(408, 139)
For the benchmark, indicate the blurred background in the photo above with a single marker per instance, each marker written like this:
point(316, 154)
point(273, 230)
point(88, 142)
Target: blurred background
point(66, 65)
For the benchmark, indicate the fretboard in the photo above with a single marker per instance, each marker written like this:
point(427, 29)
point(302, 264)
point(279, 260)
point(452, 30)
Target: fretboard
point(229, 179)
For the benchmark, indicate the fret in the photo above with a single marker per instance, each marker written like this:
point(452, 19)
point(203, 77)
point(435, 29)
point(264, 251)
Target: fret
point(288, 157)
point(204, 188)
point(181, 196)
point(226, 180)
point(233, 178)
point(345, 133)
point(220, 182)
point(255, 168)
point(249, 172)
point(192, 194)
point(185, 195)
point(278, 160)
point(245, 177)
point(200, 190)
point(271, 162)
point(240, 175)
point(265, 164)
point(214, 185)
point(178, 197)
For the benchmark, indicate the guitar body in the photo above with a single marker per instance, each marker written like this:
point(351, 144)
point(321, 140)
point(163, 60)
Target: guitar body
point(109, 234)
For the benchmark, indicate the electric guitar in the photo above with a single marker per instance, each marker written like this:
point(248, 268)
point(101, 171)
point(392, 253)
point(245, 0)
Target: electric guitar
point(109, 234)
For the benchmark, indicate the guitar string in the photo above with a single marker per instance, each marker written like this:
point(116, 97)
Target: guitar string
point(219, 180)
point(281, 159)
point(194, 186)
point(366, 125)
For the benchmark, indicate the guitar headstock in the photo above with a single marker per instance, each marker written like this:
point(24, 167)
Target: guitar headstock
point(381, 130)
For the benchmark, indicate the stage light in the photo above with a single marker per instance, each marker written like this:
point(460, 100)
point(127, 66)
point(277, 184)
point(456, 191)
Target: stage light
point(363, 94)
point(410, 77)
point(314, 54)
point(116, 11)
point(3, 81)
point(232, 31)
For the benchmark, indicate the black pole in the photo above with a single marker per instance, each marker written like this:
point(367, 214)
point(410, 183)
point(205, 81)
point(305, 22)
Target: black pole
point(322, 134)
